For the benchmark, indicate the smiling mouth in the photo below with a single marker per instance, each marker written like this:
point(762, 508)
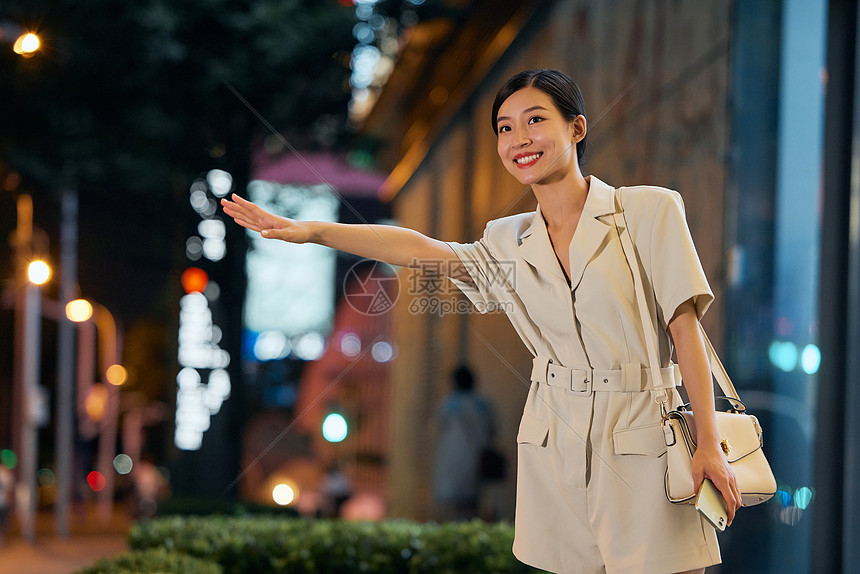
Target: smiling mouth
point(527, 159)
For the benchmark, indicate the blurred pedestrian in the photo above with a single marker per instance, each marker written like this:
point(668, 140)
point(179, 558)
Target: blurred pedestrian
point(7, 486)
point(465, 430)
point(590, 470)
point(336, 489)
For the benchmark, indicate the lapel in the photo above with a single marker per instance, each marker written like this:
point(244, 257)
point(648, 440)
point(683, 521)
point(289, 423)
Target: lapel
point(592, 228)
point(536, 248)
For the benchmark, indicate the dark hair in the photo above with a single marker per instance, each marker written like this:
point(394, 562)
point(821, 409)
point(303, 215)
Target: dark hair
point(560, 87)
point(463, 379)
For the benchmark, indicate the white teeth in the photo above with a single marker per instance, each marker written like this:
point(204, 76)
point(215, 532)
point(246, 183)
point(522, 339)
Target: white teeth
point(528, 158)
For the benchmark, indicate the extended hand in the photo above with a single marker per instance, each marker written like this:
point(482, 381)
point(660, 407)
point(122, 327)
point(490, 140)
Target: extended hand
point(709, 462)
point(253, 217)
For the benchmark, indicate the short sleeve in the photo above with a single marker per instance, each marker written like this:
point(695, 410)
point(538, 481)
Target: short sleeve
point(490, 277)
point(676, 272)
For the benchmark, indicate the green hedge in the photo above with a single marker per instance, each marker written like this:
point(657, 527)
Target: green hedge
point(153, 561)
point(262, 545)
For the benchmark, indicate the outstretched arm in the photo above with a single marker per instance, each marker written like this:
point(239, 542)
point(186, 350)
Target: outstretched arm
point(388, 243)
point(708, 461)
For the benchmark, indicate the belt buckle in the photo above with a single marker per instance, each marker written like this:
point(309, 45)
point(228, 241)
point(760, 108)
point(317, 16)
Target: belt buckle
point(581, 383)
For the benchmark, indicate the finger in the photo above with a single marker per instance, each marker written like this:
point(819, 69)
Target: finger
point(248, 225)
point(698, 478)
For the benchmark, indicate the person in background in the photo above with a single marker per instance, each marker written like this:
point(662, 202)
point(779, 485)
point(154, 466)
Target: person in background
point(7, 486)
point(465, 428)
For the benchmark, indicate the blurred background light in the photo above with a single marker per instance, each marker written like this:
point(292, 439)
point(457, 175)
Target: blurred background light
point(79, 310)
point(96, 480)
point(8, 458)
point(194, 280)
point(350, 345)
point(220, 182)
point(802, 497)
point(96, 401)
point(783, 355)
point(194, 248)
point(334, 428)
point(116, 375)
point(122, 463)
point(26, 44)
point(46, 477)
point(271, 346)
point(283, 494)
point(38, 272)
point(382, 351)
point(810, 359)
point(310, 346)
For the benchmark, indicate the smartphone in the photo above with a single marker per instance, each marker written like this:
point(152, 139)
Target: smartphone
point(711, 504)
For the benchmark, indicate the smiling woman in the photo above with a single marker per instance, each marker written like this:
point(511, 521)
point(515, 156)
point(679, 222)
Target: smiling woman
point(587, 501)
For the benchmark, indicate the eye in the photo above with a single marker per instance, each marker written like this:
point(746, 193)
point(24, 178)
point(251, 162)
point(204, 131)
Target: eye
point(535, 119)
point(504, 129)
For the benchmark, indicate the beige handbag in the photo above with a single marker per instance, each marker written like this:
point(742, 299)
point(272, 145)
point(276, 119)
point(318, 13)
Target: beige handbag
point(740, 433)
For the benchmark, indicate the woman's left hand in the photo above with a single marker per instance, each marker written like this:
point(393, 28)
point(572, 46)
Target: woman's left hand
point(709, 462)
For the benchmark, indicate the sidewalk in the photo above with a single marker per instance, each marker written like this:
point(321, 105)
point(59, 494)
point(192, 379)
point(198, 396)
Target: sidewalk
point(50, 554)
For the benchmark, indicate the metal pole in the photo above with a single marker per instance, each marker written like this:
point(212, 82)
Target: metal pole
point(65, 429)
point(109, 345)
point(27, 491)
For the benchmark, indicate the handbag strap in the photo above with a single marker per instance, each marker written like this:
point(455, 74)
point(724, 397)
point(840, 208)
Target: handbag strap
point(659, 393)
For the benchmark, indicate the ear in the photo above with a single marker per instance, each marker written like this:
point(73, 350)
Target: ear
point(578, 129)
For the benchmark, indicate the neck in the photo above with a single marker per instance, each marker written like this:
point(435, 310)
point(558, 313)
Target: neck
point(561, 202)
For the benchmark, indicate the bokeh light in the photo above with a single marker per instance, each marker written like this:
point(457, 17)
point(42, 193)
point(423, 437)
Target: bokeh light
point(46, 477)
point(123, 464)
point(783, 355)
point(116, 375)
point(350, 345)
point(79, 310)
point(8, 458)
point(96, 402)
point(194, 280)
point(810, 359)
point(26, 44)
point(334, 428)
point(96, 480)
point(283, 494)
point(220, 182)
point(38, 272)
point(382, 351)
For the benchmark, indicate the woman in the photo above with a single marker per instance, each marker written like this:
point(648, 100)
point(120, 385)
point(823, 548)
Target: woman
point(590, 473)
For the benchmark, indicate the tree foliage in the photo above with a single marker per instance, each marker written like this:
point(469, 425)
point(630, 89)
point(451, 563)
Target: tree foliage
point(137, 94)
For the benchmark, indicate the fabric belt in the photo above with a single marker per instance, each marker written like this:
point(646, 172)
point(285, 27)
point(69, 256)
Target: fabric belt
point(630, 378)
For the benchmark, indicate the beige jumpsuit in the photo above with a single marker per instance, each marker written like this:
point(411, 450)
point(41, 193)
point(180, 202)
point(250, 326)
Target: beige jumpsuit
point(591, 458)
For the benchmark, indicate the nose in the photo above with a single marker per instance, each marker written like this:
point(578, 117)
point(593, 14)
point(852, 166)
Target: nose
point(521, 137)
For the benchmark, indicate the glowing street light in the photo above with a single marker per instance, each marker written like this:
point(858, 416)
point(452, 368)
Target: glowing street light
point(116, 375)
point(26, 44)
point(38, 272)
point(79, 310)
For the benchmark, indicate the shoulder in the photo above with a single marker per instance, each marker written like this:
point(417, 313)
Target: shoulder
point(648, 203)
point(508, 229)
point(645, 196)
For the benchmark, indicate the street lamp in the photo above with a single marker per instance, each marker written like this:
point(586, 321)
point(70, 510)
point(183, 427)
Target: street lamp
point(38, 273)
point(81, 311)
point(26, 44)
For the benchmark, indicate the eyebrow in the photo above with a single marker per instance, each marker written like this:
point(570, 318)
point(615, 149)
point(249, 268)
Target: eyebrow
point(531, 109)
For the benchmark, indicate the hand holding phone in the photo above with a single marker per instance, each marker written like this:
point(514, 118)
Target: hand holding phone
point(711, 504)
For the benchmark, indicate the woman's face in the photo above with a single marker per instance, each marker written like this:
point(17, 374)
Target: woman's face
point(536, 143)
